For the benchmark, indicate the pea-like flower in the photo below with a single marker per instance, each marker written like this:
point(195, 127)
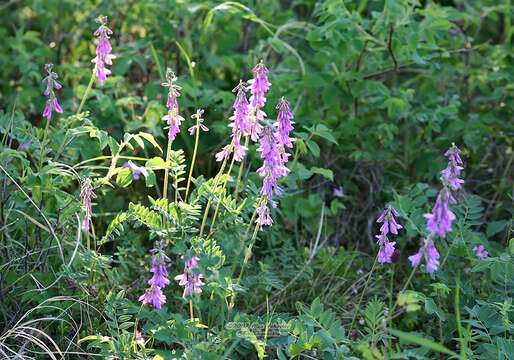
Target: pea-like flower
point(173, 118)
point(481, 252)
point(192, 282)
point(429, 252)
point(389, 224)
point(159, 279)
point(259, 86)
point(51, 84)
point(86, 193)
point(103, 51)
point(199, 122)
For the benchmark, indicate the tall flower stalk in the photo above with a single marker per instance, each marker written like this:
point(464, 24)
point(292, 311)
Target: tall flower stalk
point(389, 225)
point(191, 282)
point(51, 103)
point(439, 221)
point(103, 57)
point(159, 279)
point(86, 193)
point(174, 120)
point(195, 129)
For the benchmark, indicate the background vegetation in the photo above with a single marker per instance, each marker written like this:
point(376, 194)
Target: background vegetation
point(379, 91)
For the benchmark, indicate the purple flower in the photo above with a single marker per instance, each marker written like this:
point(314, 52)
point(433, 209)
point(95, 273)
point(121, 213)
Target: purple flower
point(339, 191)
point(386, 249)
point(284, 123)
point(199, 122)
point(86, 193)
point(242, 122)
point(431, 255)
point(160, 274)
point(51, 83)
point(263, 213)
point(389, 222)
point(159, 279)
point(24, 147)
point(453, 154)
point(153, 295)
point(136, 171)
point(192, 283)
point(259, 86)
point(103, 50)
point(224, 154)
point(440, 220)
point(173, 118)
point(481, 252)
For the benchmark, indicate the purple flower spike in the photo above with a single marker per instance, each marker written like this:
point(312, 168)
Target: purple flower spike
point(199, 122)
point(155, 296)
point(284, 123)
point(173, 118)
point(192, 283)
point(431, 255)
point(51, 83)
point(259, 86)
point(389, 224)
point(159, 279)
point(481, 252)
point(103, 50)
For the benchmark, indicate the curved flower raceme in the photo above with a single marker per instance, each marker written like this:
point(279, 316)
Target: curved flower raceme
point(389, 224)
point(103, 51)
point(86, 193)
point(51, 84)
point(173, 118)
point(158, 281)
point(192, 282)
point(199, 122)
point(429, 253)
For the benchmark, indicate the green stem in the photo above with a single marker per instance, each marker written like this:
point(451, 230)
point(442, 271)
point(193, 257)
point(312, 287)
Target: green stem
point(193, 160)
point(166, 172)
point(403, 289)
point(219, 200)
point(459, 324)
point(191, 314)
point(240, 173)
point(90, 85)
point(45, 134)
point(216, 181)
point(362, 294)
point(390, 315)
point(248, 254)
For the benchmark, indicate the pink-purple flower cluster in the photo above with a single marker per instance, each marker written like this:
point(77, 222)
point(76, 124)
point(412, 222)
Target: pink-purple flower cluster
point(136, 171)
point(173, 118)
point(241, 125)
point(431, 255)
point(86, 193)
point(192, 283)
point(199, 122)
point(259, 86)
point(439, 221)
point(103, 50)
point(51, 84)
point(481, 252)
point(158, 281)
point(389, 225)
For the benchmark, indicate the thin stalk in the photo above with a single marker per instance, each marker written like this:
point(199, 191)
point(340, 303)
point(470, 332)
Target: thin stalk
point(390, 315)
point(363, 292)
point(219, 200)
point(90, 85)
point(459, 324)
point(191, 315)
point(193, 159)
point(248, 254)
point(216, 181)
point(240, 173)
point(45, 134)
point(404, 288)
point(166, 172)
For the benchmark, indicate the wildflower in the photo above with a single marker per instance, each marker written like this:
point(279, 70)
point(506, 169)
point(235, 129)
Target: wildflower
point(159, 279)
point(103, 50)
point(86, 193)
point(199, 122)
point(173, 118)
point(224, 154)
point(389, 224)
point(284, 123)
point(481, 252)
point(259, 86)
point(192, 283)
point(431, 255)
point(24, 147)
point(386, 250)
point(153, 295)
point(440, 220)
point(51, 83)
point(136, 171)
point(339, 191)
point(263, 213)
